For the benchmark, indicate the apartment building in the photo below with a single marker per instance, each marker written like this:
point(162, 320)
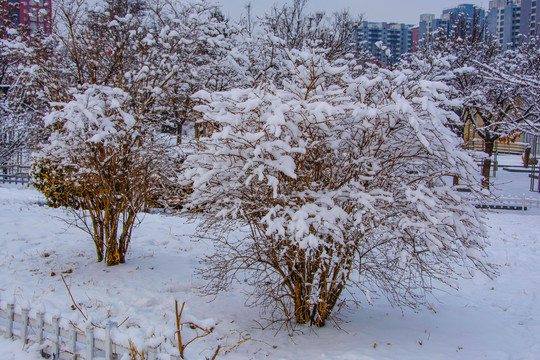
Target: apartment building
point(467, 15)
point(535, 19)
point(386, 41)
point(508, 20)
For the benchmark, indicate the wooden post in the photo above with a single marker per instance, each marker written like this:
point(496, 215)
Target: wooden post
point(39, 336)
point(56, 324)
point(89, 342)
point(108, 341)
point(496, 160)
point(73, 343)
point(24, 330)
point(152, 352)
point(10, 318)
point(538, 176)
point(533, 169)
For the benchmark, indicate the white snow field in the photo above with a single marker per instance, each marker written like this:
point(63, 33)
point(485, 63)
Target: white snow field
point(485, 319)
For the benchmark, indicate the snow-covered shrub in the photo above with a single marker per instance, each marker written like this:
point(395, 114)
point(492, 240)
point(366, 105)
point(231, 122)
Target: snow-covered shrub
point(340, 182)
point(112, 158)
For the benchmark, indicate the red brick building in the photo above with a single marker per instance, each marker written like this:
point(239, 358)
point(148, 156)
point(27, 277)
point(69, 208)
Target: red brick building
point(415, 38)
point(36, 14)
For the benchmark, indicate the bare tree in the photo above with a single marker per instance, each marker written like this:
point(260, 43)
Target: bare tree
point(20, 123)
point(299, 29)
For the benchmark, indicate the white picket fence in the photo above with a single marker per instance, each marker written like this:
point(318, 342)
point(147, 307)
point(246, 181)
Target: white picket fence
point(514, 202)
point(59, 341)
point(522, 201)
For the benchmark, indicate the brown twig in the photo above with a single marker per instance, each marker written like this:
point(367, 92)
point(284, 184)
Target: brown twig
point(73, 300)
point(179, 324)
point(122, 323)
point(216, 353)
point(178, 332)
point(135, 353)
point(75, 326)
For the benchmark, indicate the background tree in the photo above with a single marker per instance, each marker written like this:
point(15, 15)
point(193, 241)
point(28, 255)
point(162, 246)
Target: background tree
point(7, 30)
point(199, 55)
point(158, 51)
point(20, 123)
point(20, 108)
point(518, 70)
point(299, 29)
point(142, 58)
point(257, 52)
point(491, 109)
point(340, 182)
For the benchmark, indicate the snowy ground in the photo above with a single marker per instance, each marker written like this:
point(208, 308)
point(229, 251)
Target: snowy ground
point(486, 319)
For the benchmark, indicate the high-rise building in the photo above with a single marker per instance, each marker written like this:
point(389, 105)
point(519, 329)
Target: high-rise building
point(508, 20)
point(467, 15)
point(535, 19)
point(386, 41)
point(415, 38)
point(36, 14)
point(472, 16)
point(428, 23)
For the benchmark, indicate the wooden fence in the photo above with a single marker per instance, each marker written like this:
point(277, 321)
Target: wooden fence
point(14, 179)
point(15, 174)
point(64, 342)
point(501, 147)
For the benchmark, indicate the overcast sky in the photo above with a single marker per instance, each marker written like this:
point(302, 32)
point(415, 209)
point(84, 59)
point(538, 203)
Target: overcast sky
point(401, 11)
